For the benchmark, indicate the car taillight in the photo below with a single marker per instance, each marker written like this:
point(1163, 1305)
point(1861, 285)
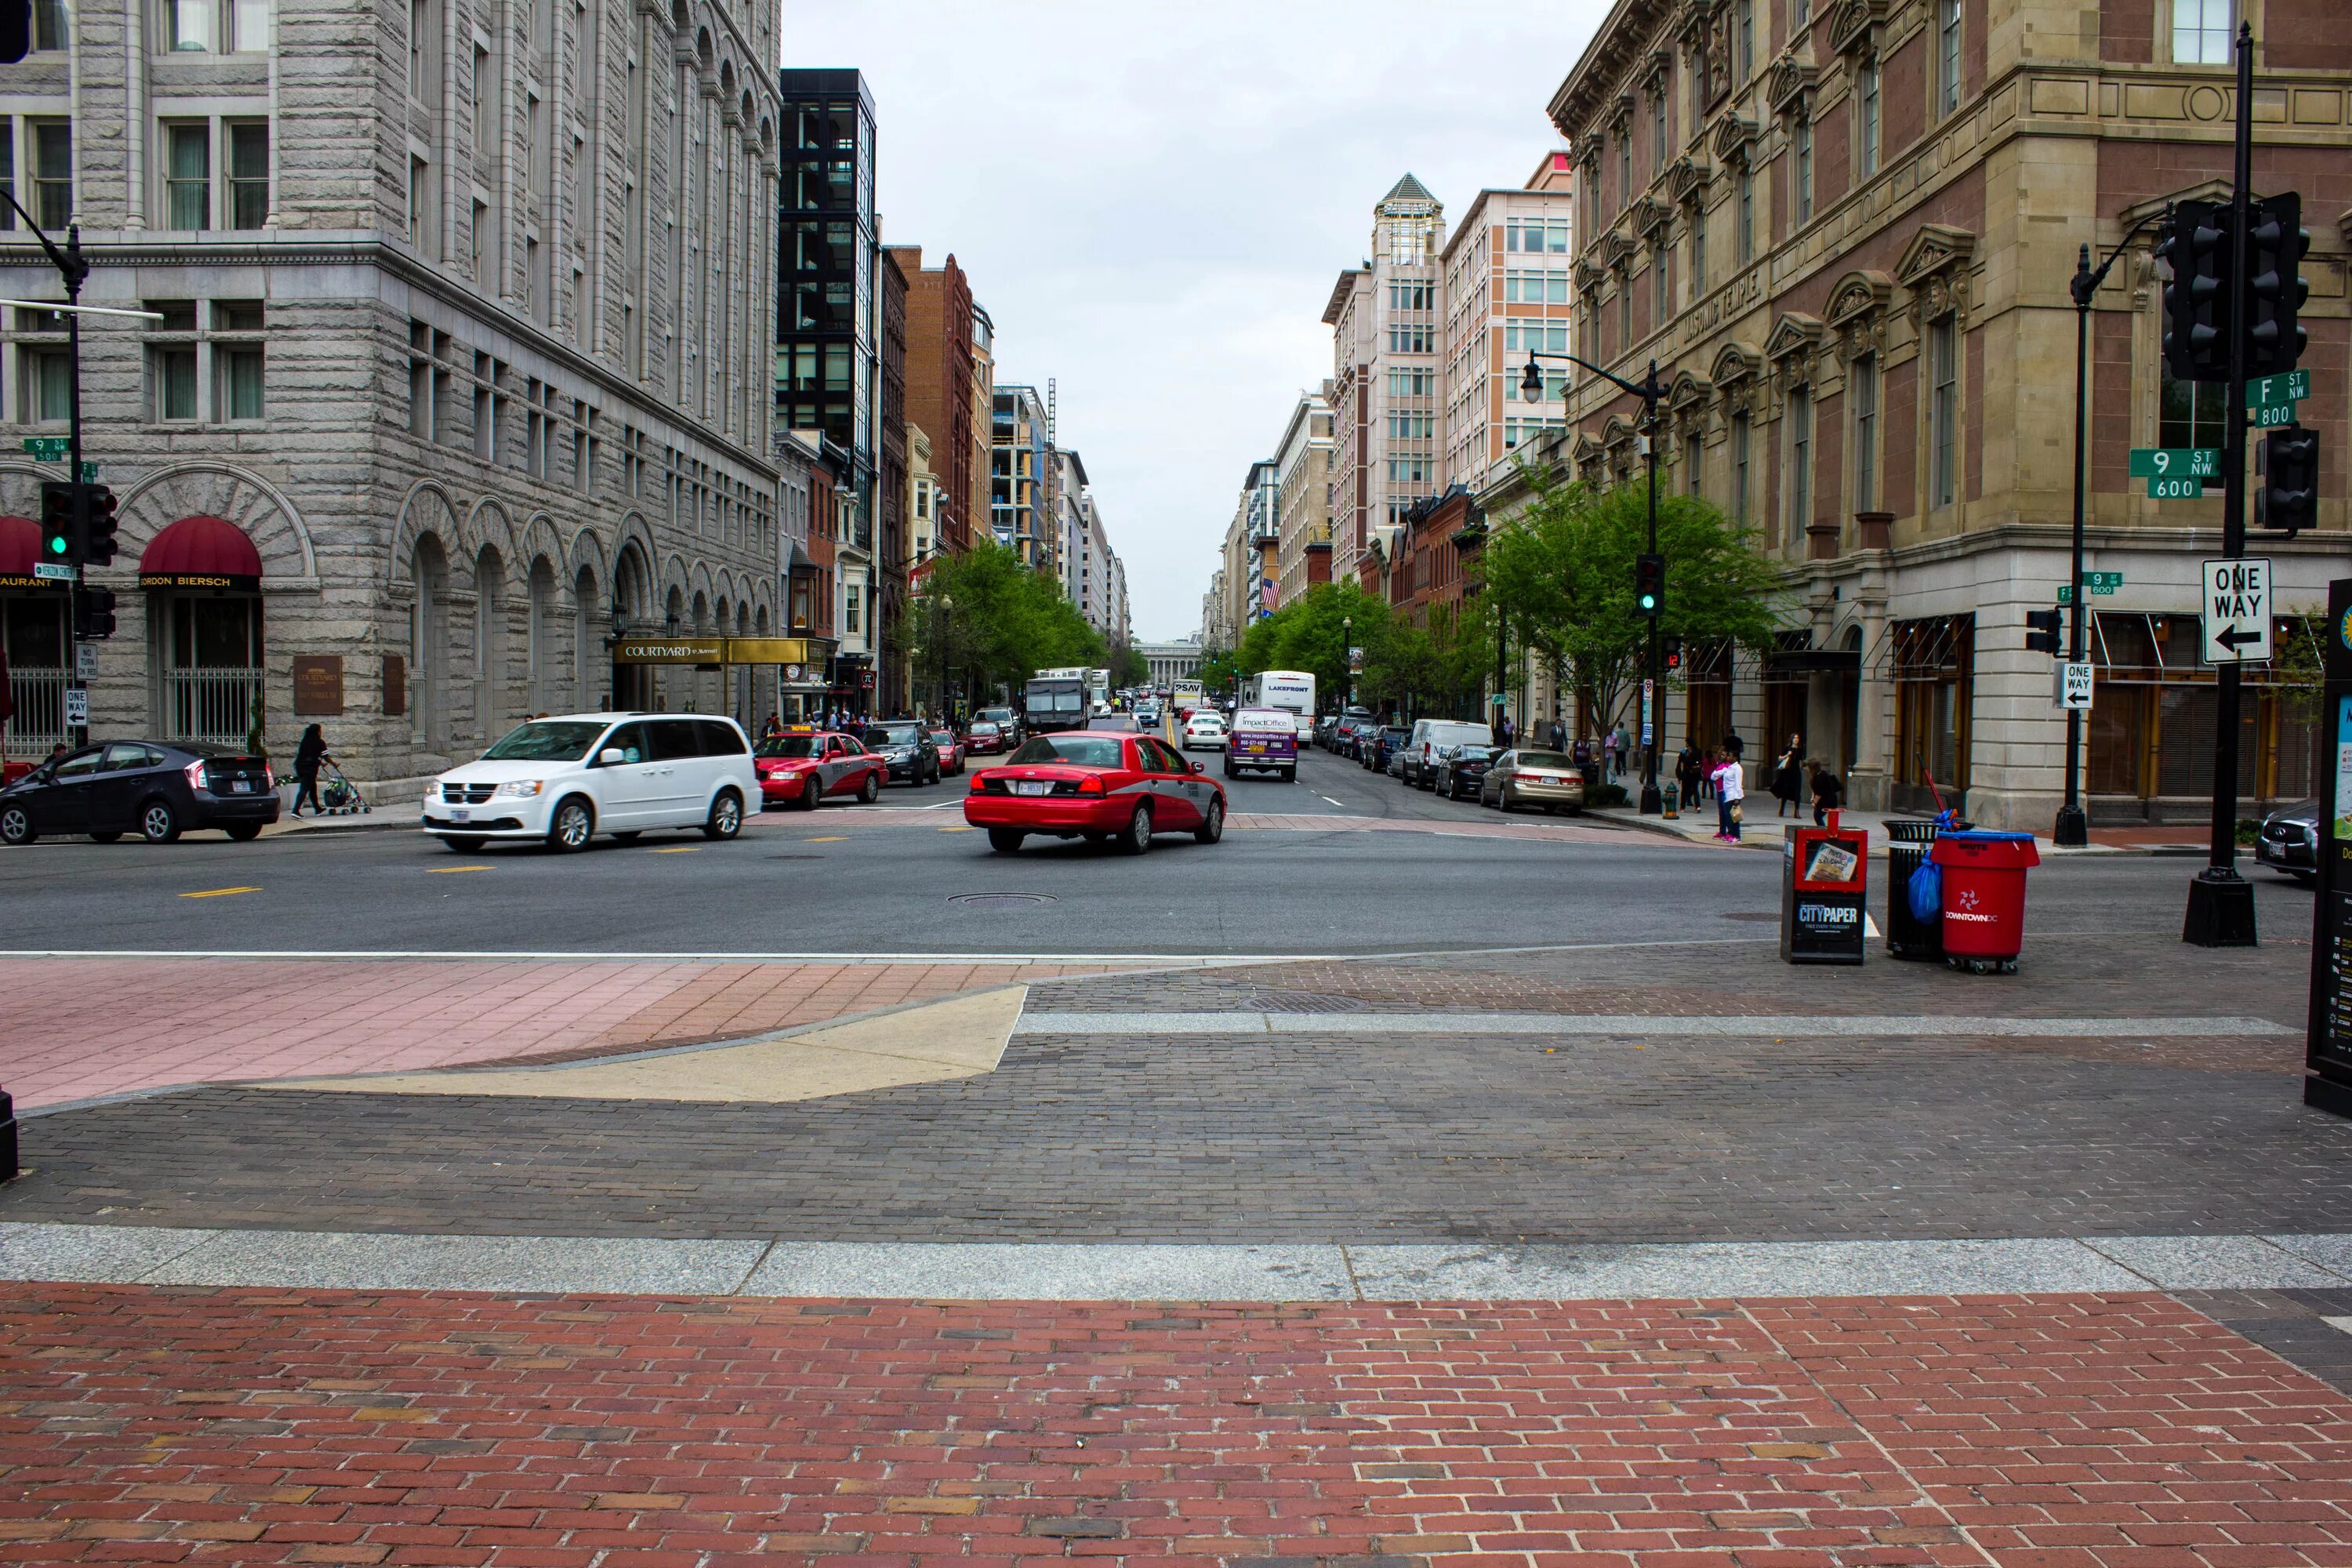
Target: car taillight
point(196, 772)
point(979, 784)
point(1091, 785)
point(268, 777)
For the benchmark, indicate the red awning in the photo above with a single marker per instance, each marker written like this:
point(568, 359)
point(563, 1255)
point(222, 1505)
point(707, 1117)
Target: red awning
point(201, 553)
point(20, 550)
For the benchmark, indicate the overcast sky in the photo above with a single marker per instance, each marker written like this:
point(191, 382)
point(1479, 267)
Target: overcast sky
point(1153, 201)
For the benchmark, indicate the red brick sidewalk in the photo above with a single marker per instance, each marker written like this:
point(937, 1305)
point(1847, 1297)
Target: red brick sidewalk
point(272, 1426)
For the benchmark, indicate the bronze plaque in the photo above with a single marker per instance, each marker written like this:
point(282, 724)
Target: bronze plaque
point(395, 686)
point(317, 686)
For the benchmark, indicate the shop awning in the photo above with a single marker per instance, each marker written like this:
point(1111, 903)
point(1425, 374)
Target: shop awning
point(201, 553)
point(20, 552)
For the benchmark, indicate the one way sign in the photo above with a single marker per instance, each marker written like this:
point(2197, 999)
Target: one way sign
point(2237, 611)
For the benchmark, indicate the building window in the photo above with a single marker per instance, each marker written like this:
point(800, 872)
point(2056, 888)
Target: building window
point(849, 610)
point(1659, 150)
point(1801, 15)
point(52, 173)
point(420, 200)
point(1698, 249)
point(249, 172)
point(2201, 31)
point(187, 175)
point(2190, 411)
point(1863, 394)
point(49, 26)
point(1801, 461)
point(188, 26)
point(1745, 42)
point(239, 367)
point(1948, 55)
point(420, 29)
point(172, 377)
point(1661, 287)
point(250, 22)
point(45, 370)
point(1625, 170)
point(1803, 133)
point(1943, 410)
point(1624, 312)
point(1746, 197)
point(1867, 118)
point(1740, 434)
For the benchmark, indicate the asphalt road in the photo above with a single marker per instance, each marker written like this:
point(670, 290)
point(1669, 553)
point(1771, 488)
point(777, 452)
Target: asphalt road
point(828, 883)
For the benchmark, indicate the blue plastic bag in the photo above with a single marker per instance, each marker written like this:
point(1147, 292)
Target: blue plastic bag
point(1925, 889)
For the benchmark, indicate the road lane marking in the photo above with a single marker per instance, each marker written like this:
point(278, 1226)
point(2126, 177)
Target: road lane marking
point(959, 828)
point(449, 870)
point(829, 838)
point(681, 850)
point(1341, 803)
point(219, 893)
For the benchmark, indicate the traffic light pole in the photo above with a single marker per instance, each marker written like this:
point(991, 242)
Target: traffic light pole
point(72, 270)
point(2221, 903)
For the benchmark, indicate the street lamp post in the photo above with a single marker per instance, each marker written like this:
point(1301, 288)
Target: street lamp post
point(2073, 827)
point(1347, 661)
point(947, 607)
point(1651, 392)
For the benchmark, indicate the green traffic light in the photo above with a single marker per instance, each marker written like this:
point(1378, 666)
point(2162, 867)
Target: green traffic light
point(57, 545)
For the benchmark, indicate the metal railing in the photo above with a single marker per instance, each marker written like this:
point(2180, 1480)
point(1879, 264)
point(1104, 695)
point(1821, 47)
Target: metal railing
point(210, 705)
point(40, 698)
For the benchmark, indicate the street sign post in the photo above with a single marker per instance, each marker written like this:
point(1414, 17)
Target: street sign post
point(86, 660)
point(2271, 391)
point(2185, 489)
point(2175, 462)
point(53, 572)
point(2236, 611)
point(46, 449)
point(77, 707)
point(2071, 687)
point(2099, 582)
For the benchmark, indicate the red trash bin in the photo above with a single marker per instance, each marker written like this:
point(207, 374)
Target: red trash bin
point(1984, 895)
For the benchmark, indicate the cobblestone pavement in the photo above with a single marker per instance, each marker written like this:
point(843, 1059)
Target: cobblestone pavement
point(266, 1428)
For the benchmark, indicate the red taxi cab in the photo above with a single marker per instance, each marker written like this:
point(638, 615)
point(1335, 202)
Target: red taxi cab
point(1102, 786)
point(802, 766)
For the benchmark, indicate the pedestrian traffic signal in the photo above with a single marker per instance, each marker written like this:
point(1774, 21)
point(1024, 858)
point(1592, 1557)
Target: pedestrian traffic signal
point(58, 524)
point(99, 524)
point(2197, 299)
point(1649, 584)
point(93, 614)
point(2275, 246)
point(2288, 463)
point(1670, 648)
point(2041, 632)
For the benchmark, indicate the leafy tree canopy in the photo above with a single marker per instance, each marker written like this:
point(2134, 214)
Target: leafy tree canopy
point(997, 621)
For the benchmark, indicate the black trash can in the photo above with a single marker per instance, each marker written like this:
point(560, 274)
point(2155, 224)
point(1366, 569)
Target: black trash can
point(1908, 839)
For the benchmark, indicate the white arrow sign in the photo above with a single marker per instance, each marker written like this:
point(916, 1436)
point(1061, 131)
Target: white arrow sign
point(2237, 611)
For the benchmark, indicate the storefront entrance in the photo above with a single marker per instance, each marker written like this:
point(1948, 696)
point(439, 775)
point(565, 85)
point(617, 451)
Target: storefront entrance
point(2154, 722)
point(202, 580)
point(1934, 660)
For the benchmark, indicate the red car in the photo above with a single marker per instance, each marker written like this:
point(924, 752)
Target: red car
point(1101, 786)
point(983, 736)
point(951, 751)
point(801, 767)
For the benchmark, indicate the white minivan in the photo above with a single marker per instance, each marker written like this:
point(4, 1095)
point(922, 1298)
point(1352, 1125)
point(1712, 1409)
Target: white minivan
point(564, 779)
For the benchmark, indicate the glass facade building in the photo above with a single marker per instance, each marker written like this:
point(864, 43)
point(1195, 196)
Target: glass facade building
point(828, 306)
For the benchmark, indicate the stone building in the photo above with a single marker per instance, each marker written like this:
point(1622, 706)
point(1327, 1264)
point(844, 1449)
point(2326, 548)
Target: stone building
point(1383, 318)
point(1845, 233)
point(457, 383)
point(1303, 502)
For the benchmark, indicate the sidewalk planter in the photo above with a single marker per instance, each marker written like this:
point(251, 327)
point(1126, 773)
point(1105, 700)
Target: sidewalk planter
point(1984, 897)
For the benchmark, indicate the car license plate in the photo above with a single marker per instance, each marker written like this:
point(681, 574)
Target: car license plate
point(1030, 786)
point(458, 816)
point(1258, 746)
point(240, 786)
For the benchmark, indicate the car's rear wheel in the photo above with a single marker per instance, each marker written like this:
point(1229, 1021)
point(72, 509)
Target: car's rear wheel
point(16, 826)
point(811, 793)
point(1137, 838)
point(1212, 826)
point(1288, 776)
point(243, 832)
point(871, 789)
point(463, 843)
point(158, 823)
point(1005, 840)
point(1231, 772)
point(111, 838)
point(574, 825)
point(725, 818)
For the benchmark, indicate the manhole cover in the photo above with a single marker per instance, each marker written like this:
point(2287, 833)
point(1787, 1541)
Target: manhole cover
point(998, 900)
point(1750, 915)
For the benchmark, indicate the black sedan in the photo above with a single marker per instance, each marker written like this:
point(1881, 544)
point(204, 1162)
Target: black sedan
point(157, 789)
point(906, 747)
point(2289, 840)
point(1462, 772)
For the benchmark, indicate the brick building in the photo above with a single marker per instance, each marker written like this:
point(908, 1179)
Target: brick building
point(939, 390)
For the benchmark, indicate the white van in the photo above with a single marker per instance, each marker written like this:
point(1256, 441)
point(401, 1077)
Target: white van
point(563, 779)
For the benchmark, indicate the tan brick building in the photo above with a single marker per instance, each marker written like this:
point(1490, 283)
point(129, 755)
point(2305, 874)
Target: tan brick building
point(1844, 232)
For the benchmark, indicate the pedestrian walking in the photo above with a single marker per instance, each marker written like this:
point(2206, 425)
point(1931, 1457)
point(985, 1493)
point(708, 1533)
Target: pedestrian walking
point(1735, 746)
point(1829, 793)
point(775, 726)
point(1559, 736)
point(309, 753)
point(1729, 790)
point(1691, 774)
point(1789, 779)
point(1624, 751)
point(1609, 744)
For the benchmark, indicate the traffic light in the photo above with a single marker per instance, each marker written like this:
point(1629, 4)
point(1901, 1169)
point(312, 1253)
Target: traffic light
point(2275, 246)
point(2197, 299)
point(1649, 584)
point(58, 524)
point(2041, 632)
point(93, 614)
point(1670, 648)
point(99, 523)
point(2288, 495)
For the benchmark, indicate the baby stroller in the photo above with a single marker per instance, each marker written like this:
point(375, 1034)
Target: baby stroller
point(339, 795)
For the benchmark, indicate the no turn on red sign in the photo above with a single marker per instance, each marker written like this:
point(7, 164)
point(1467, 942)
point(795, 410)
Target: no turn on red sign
point(2236, 611)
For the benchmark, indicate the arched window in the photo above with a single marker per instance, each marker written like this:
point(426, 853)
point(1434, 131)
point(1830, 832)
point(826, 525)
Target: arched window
point(489, 645)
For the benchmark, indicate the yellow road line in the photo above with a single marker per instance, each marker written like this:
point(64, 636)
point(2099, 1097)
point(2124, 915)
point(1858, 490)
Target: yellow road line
point(446, 870)
point(681, 850)
point(959, 828)
point(219, 893)
point(835, 838)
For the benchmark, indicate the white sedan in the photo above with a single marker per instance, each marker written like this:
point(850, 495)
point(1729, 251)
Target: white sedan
point(1204, 732)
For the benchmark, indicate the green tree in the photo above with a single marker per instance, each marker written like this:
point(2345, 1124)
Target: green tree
point(995, 621)
point(1127, 667)
point(1220, 669)
point(1562, 572)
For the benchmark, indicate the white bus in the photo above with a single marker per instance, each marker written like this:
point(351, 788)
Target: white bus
point(1291, 688)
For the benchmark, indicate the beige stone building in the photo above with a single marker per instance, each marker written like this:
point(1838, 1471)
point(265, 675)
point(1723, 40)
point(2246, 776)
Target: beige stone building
point(1384, 317)
point(461, 376)
point(1303, 478)
point(1844, 232)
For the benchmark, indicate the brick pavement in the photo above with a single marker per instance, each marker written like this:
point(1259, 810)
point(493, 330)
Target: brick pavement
point(271, 1426)
point(173, 1022)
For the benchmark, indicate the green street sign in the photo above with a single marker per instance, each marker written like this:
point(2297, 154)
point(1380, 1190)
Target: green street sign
point(47, 449)
point(2273, 390)
point(2175, 489)
point(89, 472)
point(2175, 462)
point(2097, 582)
point(2273, 416)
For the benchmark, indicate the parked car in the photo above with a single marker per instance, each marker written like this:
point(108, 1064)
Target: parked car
point(157, 789)
point(1462, 770)
point(2288, 840)
point(906, 747)
point(1264, 739)
point(1349, 735)
point(950, 750)
point(1380, 745)
point(1106, 788)
point(1430, 734)
point(563, 779)
point(1324, 726)
point(1524, 776)
point(1007, 722)
point(802, 766)
point(1392, 761)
